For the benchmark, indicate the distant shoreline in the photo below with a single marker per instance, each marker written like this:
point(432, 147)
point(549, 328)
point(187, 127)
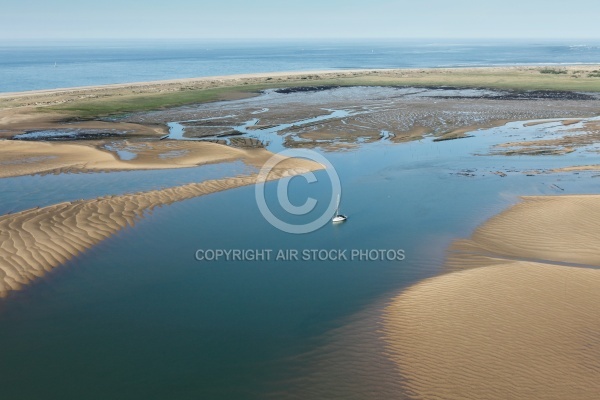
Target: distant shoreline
point(90, 102)
point(181, 81)
point(329, 73)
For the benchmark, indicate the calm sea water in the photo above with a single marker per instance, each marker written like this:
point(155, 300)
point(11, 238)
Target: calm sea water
point(47, 65)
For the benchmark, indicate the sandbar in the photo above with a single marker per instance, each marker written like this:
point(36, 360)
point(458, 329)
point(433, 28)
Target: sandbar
point(35, 241)
point(516, 316)
point(27, 158)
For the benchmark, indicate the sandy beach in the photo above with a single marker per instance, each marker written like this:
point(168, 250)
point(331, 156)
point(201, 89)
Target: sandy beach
point(450, 76)
point(517, 316)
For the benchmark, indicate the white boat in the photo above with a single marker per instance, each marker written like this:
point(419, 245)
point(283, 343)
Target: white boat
point(338, 217)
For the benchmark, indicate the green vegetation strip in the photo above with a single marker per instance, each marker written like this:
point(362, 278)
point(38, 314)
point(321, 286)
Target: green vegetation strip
point(521, 80)
point(146, 102)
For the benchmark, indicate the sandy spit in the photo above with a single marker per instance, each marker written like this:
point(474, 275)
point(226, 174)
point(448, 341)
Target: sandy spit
point(41, 98)
point(517, 319)
point(26, 158)
point(208, 79)
point(35, 241)
point(284, 76)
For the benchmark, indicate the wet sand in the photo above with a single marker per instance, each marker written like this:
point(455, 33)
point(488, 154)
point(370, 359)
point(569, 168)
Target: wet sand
point(347, 116)
point(518, 316)
point(35, 241)
point(577, 168)
point(587, 134)
point(27, 158)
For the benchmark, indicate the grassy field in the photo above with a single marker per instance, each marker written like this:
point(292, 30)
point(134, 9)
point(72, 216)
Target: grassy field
point(126, 100)
point(147, 102)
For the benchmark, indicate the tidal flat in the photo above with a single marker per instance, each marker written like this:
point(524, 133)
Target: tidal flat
point(115, 300)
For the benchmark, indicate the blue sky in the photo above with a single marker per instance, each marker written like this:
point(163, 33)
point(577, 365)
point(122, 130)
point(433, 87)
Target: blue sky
point(81, 19)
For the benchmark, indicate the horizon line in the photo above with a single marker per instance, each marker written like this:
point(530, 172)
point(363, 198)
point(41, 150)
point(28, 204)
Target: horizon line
point(301, 38)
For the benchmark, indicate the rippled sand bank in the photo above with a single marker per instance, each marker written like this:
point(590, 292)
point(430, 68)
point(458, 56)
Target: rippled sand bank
point(519, 316)
point(35, 241)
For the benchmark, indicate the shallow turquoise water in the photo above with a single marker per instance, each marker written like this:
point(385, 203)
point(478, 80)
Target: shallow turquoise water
point(138, 317)
point(21, 193)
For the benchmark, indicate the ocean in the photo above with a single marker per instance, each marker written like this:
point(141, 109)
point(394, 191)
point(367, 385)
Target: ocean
point(28, 65)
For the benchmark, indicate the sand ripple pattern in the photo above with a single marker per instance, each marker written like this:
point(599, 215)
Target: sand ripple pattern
point(35, 241)
point(518, 319)
point(553, 228)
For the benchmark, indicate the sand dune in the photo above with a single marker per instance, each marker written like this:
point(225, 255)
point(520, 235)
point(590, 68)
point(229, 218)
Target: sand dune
point(507, 324)
point(25, 158)
point(37, 240)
